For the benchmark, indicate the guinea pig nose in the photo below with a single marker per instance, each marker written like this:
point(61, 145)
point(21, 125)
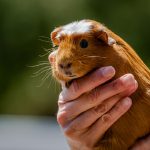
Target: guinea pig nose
point(51, 57)
point(65, 65)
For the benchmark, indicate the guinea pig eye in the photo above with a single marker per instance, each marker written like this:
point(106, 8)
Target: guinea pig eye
point(83, 43)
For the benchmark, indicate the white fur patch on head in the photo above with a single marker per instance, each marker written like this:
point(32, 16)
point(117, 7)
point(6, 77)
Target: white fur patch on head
point(77, 27)
point(111, 41)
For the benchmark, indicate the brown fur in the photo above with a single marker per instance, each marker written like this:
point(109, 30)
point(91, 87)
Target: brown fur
point(136, 122)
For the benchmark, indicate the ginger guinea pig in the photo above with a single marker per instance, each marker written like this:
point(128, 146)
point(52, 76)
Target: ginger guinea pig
point(86, 45)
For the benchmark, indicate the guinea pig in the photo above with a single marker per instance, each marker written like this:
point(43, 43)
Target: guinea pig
point(85, 45)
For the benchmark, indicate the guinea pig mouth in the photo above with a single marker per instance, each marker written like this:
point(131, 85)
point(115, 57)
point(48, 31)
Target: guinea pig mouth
point(73, 77)
point(70, 76)
point(65, 75)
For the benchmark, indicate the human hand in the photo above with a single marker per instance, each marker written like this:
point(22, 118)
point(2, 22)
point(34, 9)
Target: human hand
point(87, 108)
point(143, 144)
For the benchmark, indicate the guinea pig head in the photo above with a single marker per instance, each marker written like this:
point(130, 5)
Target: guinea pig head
point(80, 48)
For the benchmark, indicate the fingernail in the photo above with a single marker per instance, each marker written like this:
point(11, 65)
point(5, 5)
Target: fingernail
point(128, 79)
point(126, 101)
point(134, 87)
point(136, 84)
point(108, 71)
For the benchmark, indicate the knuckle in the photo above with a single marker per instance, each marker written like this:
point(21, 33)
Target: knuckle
point(60, 103)
point(100, 109)
point(94, 95)
point(94, 112)
point(106, 118)
point(62, 118)
point(69, 131)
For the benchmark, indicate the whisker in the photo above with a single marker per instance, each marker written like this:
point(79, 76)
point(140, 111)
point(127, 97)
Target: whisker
point(44, 41)
point(41, 64)
point(48, 50)
point(49, 83)
point(46, 67)
point(46, 76)
point(44, 37)
point(92, 56)
point(82, 63)
point(42, 55)
point(44, 61)
point(96, 56)
point(36, 75)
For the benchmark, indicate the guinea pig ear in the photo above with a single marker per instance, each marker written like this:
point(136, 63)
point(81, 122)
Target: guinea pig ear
point(54, 36)
point(103, 35)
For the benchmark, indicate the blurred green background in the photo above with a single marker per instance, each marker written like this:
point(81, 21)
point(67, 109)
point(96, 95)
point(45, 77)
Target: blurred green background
point(25, 26)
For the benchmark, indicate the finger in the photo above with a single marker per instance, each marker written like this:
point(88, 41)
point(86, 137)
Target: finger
point(106, 121)
point(130, 90)
point(143, 144)
point(87, 83)
point(68, 111)
point(87, 118)
point(98, 95)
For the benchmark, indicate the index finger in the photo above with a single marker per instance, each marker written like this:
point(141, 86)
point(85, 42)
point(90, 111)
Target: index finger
point(87, 83)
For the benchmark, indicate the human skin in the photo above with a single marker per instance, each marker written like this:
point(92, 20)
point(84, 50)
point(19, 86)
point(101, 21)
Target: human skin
point(143, 144)
point(85, 116)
